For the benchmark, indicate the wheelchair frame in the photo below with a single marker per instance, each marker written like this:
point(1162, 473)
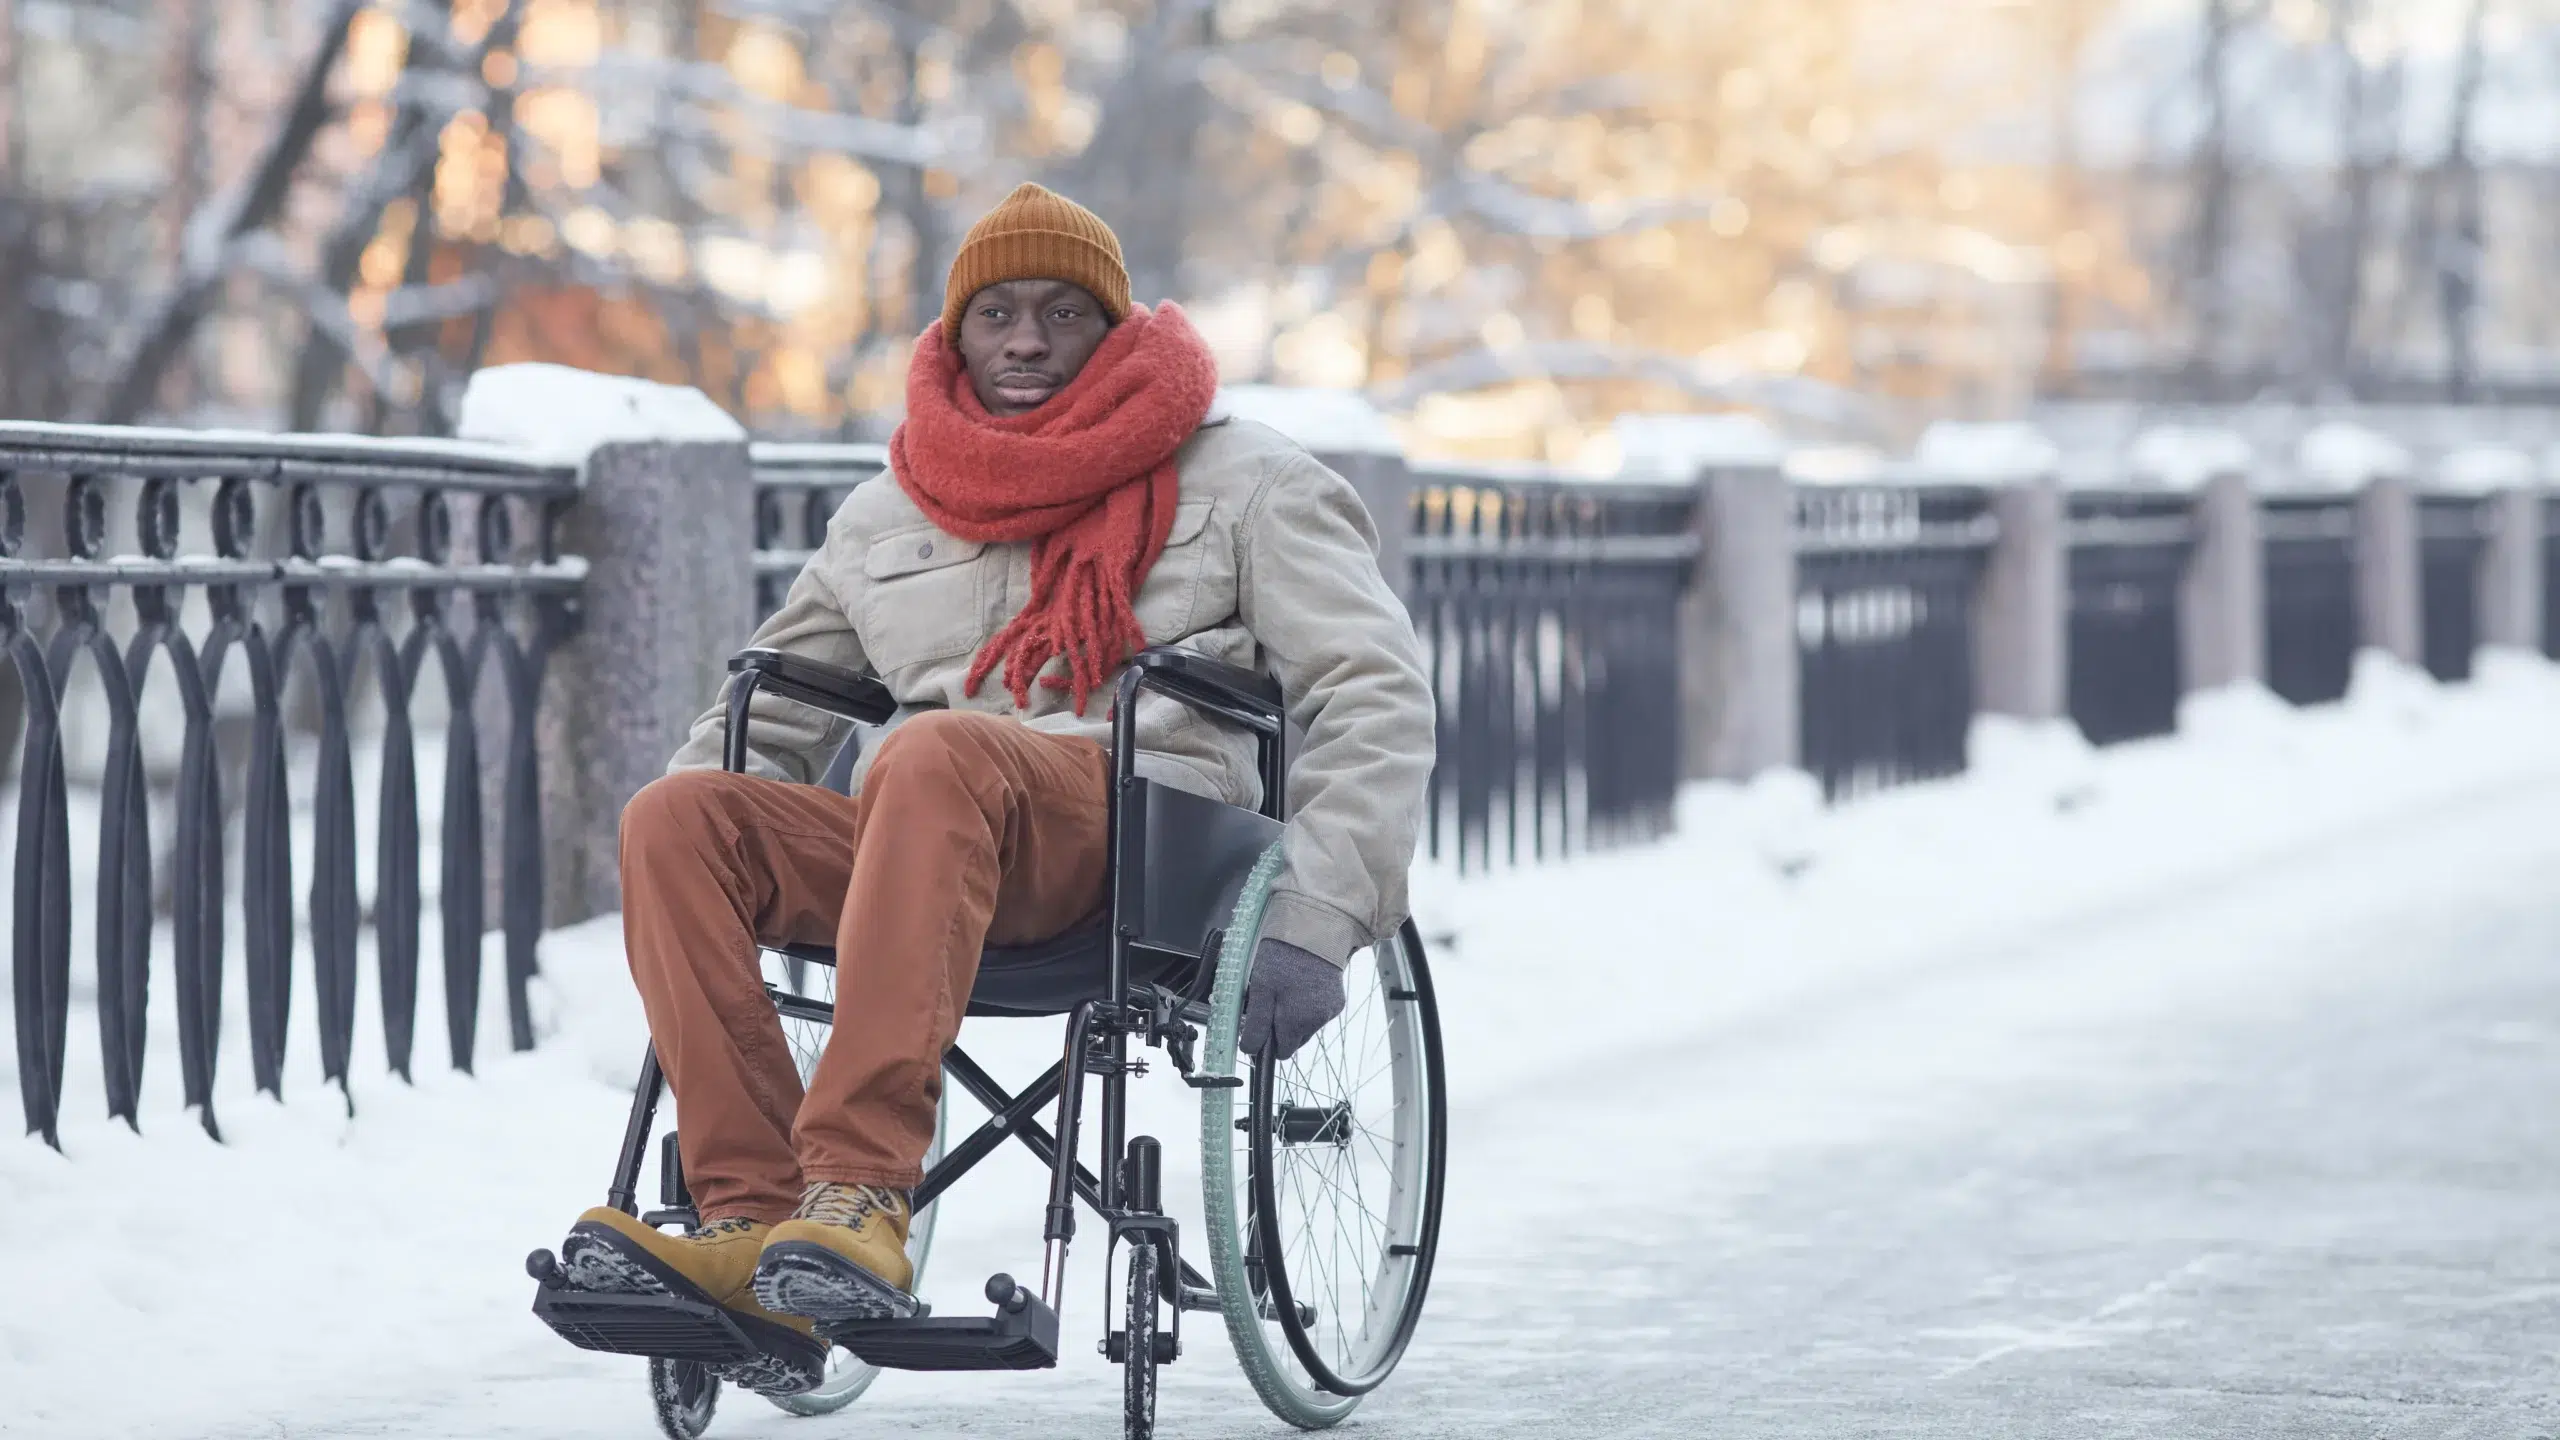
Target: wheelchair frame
point(1126, 1196)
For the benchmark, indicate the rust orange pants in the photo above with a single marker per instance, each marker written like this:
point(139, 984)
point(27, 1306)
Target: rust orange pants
point(970, 830)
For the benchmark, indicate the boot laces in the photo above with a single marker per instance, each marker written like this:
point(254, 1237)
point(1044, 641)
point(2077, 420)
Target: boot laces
point(829, 1203)
point(716, 1229)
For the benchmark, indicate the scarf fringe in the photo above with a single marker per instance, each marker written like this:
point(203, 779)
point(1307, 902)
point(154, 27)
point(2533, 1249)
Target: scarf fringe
point(1095, 603)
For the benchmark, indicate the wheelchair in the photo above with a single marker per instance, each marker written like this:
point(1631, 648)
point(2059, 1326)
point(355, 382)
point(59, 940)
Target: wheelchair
point(1322, 1175)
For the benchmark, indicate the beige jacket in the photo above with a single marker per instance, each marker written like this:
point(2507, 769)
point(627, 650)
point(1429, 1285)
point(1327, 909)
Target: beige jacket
point(1272, 563)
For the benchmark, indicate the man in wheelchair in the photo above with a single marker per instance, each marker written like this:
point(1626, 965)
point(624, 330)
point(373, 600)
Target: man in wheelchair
point(1061, 495)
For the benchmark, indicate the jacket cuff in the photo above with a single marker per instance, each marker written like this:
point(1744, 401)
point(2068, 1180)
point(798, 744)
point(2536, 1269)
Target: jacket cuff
point(1312, 926)
point(758, 765)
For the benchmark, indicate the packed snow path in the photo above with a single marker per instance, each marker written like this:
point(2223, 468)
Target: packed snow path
point(2266, 1151)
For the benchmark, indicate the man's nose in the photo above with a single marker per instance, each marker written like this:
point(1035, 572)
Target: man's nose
point(1025, 340)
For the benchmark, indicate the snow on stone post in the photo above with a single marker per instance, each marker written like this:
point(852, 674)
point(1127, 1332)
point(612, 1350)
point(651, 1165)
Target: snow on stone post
point(1737, 624)
point(2377, 470)
point(2222, 606)
point(2022, 611)
point(2511, 561)
point(1342, 429)
point(666, 524)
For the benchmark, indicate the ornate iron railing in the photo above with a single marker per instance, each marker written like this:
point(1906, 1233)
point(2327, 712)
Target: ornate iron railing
point(2127, 566)
point(1548, 612)
point(2453, 536)
point(2312, 629)
point(317, 560)
point(1886, 583)
point(798, 487)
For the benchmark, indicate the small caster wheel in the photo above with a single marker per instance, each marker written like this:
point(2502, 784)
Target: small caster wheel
point(684, 1393)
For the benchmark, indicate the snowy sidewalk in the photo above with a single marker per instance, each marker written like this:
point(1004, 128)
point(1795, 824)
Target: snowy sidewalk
point(2076, 1096)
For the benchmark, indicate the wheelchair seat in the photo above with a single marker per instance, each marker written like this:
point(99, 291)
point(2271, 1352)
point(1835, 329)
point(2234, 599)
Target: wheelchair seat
point(1047, 977)
point(1181, 863)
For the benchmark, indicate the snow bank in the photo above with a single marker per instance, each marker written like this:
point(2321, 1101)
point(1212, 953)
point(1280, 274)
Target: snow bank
point(2005, 453)
point(1678, 447)
point(1764, 897)
point(2182, 457)
point(1325, 422)
point(1836, 465)
point(2484, 470)
point(562, 414)
point(2346, 457)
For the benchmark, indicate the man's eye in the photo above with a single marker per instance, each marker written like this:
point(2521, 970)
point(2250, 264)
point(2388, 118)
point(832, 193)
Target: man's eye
point(1064, 313)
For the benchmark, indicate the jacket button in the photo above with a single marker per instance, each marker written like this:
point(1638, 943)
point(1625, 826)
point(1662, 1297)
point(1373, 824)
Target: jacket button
point(925, 551)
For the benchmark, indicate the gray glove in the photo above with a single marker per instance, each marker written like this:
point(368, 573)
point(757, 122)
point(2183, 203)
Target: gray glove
point(1288, 996)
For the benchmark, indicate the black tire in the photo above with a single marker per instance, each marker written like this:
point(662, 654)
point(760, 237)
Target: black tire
point(684, 1394)
point(1321, 1289)
point(1273, 1086)
point(1138, 1395)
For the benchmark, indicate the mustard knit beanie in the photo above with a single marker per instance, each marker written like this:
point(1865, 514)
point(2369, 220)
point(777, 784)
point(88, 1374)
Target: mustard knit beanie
point(1037, 234)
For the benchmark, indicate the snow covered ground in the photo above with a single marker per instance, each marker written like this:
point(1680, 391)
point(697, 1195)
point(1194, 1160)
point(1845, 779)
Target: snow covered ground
point(2196, 1087)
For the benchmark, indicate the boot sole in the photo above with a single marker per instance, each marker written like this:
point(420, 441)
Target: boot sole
point(798, 1277)
point(603, 1261)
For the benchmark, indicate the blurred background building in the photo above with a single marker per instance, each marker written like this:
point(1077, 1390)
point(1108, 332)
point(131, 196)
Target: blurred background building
point(1507, 221)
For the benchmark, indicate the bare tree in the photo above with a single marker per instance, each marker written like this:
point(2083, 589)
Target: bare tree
point(2202, 272)
point(220, 237)
point(2461, 245)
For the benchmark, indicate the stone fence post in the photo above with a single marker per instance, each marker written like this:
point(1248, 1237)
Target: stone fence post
point(1740, 704)
point(1737, 624)
point(2387, 592)
point(2378, 471)
point(2022, 612)
point(666, 524)
point(2222, 607)
point(2511, 564)
point(2022, 623)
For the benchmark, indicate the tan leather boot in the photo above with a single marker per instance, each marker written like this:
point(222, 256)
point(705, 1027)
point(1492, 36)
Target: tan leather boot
point(609, 1252)
point(841, 1256)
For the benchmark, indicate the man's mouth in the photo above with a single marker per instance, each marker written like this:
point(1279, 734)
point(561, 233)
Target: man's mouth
point(1025, 387)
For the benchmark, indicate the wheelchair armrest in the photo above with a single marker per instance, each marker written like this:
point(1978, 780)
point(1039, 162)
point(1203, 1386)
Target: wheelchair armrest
point(843, 693)
point(1187, 675)
point(1229, 692)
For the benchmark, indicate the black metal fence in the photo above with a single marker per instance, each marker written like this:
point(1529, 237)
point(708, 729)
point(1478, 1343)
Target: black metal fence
point(2128, 566)
point(798, 487)
point(2312, 630)
point(2551, 577)
point(2452, 538)
point(278, 577)
point(1886, 582)
point(1549, 614)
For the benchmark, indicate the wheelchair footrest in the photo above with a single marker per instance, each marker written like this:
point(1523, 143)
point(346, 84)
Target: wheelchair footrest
point(665, 1327)
point(1020, 1336)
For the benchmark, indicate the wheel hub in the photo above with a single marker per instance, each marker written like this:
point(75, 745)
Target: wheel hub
point(1315, 1124)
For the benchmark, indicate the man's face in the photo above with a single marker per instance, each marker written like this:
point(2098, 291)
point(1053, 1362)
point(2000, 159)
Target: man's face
point(1023, 340)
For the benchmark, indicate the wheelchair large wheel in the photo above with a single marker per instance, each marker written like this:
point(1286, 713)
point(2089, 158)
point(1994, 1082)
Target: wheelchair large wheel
point(1323, 1195)
point(847, 1377)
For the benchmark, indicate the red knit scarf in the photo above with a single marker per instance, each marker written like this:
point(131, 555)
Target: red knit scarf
point(1088, 478)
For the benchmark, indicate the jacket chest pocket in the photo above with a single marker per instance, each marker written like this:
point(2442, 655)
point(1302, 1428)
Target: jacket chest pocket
point(923, 598)
point(1193, 584)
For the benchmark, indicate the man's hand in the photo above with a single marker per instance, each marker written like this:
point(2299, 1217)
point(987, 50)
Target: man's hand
point(1288, 996)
